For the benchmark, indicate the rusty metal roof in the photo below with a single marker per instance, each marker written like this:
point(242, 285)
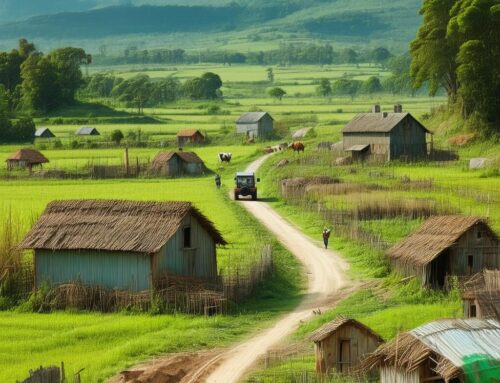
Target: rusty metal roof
point(251, 117)
point(377, 122)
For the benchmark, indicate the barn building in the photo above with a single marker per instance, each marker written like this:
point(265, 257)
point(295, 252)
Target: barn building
point(446, 245)
point(189, 136)
point(382, 136)
point(26, 158)
point(451, 350)
point(481, 297)
point(44, 133)
point(177, 164)
point(122, 245)
point(255, 124)
point(340, 344)
point(87, 131)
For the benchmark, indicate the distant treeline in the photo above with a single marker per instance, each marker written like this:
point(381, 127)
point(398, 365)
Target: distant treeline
point(286, 54)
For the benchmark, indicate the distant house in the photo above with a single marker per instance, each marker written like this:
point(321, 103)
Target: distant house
point(122, 245)
point(481, 297)
point(340, 344)
point(26, 158)
point(189, 136)
point(446, 245)
point(450, 350)
point(44, 133)
point(87, 131)
point(383, 136)
point(255, 124)
point(178, 164)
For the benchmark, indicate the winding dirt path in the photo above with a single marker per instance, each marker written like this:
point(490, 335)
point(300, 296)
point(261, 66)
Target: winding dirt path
point(326, 274)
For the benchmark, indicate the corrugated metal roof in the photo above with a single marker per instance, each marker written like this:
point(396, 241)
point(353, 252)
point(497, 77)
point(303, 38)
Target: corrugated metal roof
point(377, 122)
point(357, 148)
point(41, 131)
point(188, 133)
point(87, 131)
point(456, 339)
point(251, 117)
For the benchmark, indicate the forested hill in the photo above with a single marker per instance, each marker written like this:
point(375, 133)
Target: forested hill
point(321, 18)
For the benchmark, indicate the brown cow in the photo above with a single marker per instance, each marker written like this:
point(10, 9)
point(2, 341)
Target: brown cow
point(297, 146)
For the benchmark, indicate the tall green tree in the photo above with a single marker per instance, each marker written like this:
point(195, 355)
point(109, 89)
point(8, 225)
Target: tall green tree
point(276, 93)
point(324, 88)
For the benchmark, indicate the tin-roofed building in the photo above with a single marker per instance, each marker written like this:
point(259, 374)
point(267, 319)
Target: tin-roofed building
point(87, 131)
point(176, 164)
point(189, 136)
point(383, 136)
point(44, 133)
point(340, 344)
point(255, 124)
point(26, 158)
point(122, 245)
point(446, 245)
point(450, 350)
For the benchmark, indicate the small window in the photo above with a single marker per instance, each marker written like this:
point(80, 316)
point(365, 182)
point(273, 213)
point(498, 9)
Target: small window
point(479, 234)
point(187, 237)
point(470, 263)
point(473, 312)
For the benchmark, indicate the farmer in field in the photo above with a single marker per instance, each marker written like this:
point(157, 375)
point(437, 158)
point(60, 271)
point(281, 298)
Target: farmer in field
point(326, 236)
point(217, 181)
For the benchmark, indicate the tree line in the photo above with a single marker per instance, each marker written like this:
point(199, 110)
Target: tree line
point(457, 48)
point(286, 54)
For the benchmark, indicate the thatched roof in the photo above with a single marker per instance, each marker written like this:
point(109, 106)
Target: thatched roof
point(188, 133)
point(484, 287)
point(437, 234)
point(378, 122)
point(112, 225)
point(251, 117)
point(448, 342)
point(30, 156)
point(190, 157)
point(329, 328)
point(163, 158)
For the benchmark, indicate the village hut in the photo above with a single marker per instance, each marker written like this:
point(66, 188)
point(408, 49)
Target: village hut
point(340, 344)
point(122, 245)
point(383, 136)
point(44, 133)
point(255, 124)
point(481, 297)
point(446, 245)
point(451, 350)
point(189, 136)
point(26, 158)
point(176, 164)
point(87, 131)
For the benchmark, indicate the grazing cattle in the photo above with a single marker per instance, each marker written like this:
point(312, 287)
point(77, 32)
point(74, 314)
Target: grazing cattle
point(297, 146)
point(225, 157)
point(268, 150)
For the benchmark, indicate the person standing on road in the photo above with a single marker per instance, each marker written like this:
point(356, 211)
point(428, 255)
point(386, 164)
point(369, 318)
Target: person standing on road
point(326, 236)
point(217, 181)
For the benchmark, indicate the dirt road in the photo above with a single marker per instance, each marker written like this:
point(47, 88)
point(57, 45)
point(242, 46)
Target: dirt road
point(326, 275)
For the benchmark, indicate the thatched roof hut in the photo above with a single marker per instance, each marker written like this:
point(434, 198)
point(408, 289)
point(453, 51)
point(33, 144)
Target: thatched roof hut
point(178, 164)
point(481, 295)
point(444, 349)
point(26, 158)
point(447, 245)
point(189, 136)
point(122, 244)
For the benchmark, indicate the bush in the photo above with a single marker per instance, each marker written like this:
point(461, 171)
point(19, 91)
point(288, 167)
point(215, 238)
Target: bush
point(57, 144)
point(75, 144)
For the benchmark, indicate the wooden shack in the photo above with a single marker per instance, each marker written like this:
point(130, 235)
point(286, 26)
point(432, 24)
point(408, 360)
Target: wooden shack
point(481, 296)
point(26, 158)
point(446, 245)
point(383, 136)
point(255, 124)
point(189, 136)
point(340, 344)
point(177, 164)
point(122, 245)
point(450, 350)
point(87, 131)
point(44, 133)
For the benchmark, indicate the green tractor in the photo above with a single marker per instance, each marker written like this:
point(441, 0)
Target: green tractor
point(245, 185)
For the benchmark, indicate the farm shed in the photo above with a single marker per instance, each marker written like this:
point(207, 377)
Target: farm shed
point(178, 164)
point(26, 158)
point(255, 124)
point(450, 350)
point(122, 245)
point(446, 245)
point(44, 133)
point(340, 344)
point(383, 136)
point(481, 297)
point(87, 131)
point(189, 136)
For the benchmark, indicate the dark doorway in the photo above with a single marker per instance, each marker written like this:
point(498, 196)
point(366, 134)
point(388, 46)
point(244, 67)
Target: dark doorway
point(440, 267)
point(344, 355)
point(470, 264)
point(187, 237)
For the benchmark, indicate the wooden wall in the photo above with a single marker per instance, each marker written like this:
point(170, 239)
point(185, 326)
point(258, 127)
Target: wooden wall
point(407, 139)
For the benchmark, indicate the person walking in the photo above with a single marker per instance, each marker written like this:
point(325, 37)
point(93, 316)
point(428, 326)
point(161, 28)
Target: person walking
point(326, 236)
point(217, 181)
